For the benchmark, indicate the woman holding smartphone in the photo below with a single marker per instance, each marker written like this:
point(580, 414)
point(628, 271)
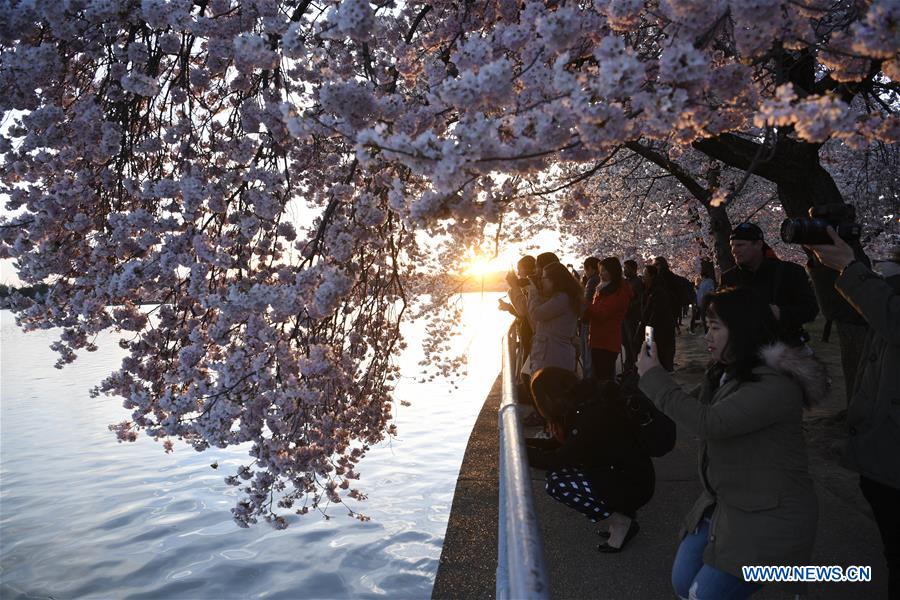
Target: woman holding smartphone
point(552, 304)
point(594, 461)
point(758, 506)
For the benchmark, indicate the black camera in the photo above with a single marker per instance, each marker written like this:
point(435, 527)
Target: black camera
point(811, 230)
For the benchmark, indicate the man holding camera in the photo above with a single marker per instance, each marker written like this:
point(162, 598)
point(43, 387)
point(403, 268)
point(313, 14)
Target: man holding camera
point(783, 285)
point(873, 417)
point(525, 269)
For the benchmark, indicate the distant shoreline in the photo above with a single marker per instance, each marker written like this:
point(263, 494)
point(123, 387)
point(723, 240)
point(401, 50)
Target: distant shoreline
point(489, 282)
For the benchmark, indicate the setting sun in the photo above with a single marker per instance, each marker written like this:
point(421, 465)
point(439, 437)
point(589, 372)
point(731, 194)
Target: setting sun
point(481, 266)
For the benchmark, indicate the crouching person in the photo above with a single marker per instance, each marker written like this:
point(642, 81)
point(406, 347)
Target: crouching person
point(758, 506)
point(594, 462)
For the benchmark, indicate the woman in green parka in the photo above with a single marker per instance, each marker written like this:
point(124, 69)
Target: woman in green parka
point(758, 506)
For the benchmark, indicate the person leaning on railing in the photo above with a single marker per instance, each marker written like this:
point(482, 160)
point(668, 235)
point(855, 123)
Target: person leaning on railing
point(594, 461)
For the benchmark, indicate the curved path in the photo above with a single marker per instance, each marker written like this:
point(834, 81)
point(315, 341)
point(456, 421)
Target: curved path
point(847, 533)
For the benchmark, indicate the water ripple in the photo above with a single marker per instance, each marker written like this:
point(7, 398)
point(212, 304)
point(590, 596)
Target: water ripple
point(86, 517)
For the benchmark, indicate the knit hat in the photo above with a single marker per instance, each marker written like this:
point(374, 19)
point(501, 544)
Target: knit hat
point(747, 231)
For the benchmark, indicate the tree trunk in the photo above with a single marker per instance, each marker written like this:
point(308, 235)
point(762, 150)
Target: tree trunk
point(807, 183)
point(802, 183)
point(792, 165)
point(720, 227)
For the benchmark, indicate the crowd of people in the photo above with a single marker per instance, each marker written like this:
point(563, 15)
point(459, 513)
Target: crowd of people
point(588, 363)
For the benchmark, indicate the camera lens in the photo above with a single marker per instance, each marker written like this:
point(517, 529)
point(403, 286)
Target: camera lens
point(805, 231)
point(788, 230)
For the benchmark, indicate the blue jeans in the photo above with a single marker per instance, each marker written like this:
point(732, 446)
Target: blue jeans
point(697, 581)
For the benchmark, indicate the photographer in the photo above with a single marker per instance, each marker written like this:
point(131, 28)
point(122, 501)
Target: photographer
point(552, 303)
point(525, 269)
point(595, 463)
point(873, 416)
point(758, 505)
point(783, 285)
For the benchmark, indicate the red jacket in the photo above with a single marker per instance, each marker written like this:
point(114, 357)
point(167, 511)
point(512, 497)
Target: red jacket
point(605, 315)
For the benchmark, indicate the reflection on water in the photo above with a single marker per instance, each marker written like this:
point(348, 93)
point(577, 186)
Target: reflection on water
point(83, 516)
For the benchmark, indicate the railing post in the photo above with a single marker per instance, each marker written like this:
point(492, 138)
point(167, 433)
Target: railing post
point(520, 558)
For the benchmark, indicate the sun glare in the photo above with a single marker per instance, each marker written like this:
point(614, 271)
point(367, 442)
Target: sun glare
point(481, 266)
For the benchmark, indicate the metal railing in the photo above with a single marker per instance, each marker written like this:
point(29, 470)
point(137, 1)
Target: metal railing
point(520, 556)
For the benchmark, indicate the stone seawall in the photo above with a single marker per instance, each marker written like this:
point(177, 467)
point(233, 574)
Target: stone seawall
point(468, 562)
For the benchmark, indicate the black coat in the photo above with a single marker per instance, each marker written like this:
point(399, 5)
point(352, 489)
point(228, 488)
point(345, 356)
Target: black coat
point(657, 311)
point(634, 307)
point(674, 290)
point(601, 441)
point(785, 285)
point(687, 293)
point(590, 286)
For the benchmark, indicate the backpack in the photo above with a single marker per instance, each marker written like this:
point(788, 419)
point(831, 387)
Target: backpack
point(654, 430)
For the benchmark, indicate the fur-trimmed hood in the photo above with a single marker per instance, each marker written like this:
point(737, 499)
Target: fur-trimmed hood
point(807, 370)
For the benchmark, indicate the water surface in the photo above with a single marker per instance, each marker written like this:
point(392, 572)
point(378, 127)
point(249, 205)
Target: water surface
point(82, 516)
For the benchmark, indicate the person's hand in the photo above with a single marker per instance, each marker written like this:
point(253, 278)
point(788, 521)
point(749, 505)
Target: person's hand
point(645, 362)
point(503, 305)
point(775, 311)
point(834, 256)
point(512, 280)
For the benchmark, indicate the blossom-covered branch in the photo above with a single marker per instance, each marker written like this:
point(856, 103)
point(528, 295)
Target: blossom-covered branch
point(278, 174)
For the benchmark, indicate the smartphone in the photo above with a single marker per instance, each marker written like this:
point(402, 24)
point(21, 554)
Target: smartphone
point(648, 338)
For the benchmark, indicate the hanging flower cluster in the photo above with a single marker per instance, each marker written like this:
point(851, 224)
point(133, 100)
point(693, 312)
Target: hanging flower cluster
point(275, 178)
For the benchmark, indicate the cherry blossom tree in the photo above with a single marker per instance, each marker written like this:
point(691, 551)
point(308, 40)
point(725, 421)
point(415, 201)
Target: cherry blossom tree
point(635, 208)
point(869, 179)
point(664, 206)
point(276, 175)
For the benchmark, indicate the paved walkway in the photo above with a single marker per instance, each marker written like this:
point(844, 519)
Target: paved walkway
point(847, 533)
point(847, 536)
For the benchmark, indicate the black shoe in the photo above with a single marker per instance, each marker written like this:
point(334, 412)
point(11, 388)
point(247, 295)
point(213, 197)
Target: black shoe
point(632, 531)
